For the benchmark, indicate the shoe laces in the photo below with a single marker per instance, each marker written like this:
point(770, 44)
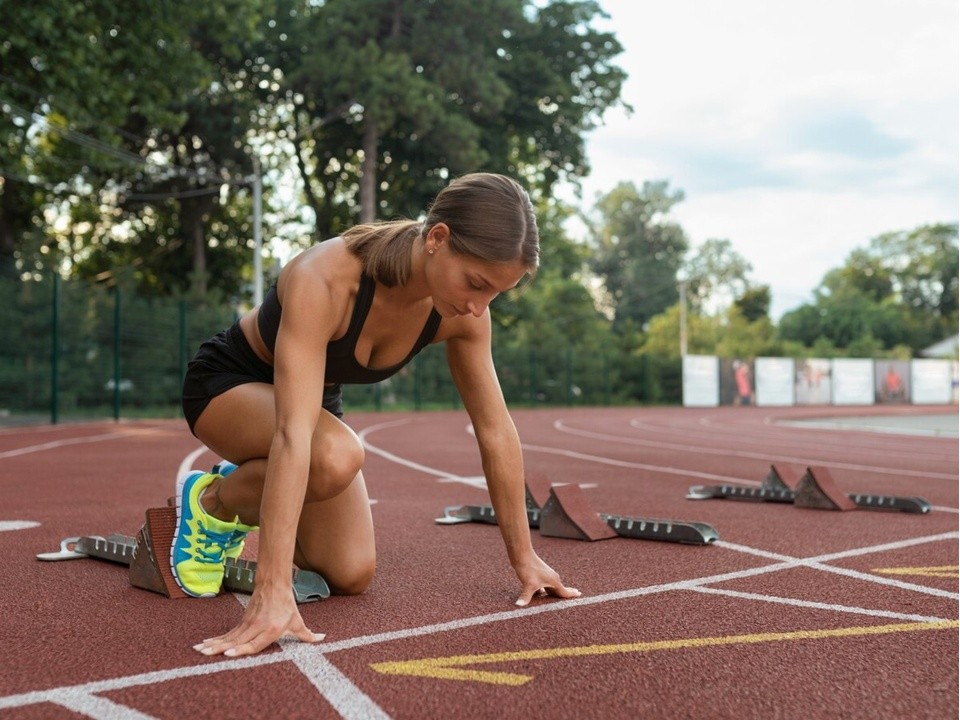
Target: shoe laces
point(211, 546)
point(235, 539)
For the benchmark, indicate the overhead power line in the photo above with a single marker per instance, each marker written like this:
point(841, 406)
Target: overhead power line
point(99, 146)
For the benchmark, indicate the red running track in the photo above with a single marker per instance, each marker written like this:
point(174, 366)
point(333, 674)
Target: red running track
point(793, 613)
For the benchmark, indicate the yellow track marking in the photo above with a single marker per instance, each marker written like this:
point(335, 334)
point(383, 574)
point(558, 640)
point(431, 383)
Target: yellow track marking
point(948, 571)
point(448, 668)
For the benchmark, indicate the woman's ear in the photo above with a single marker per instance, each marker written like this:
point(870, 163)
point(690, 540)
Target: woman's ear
point(436, 236)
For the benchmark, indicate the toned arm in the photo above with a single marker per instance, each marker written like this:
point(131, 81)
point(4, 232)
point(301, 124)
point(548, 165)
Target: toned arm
point(471, 365)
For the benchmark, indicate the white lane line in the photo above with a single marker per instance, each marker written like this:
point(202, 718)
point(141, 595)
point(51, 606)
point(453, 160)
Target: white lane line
point(944, 508)
point(583, 601)
point(656, 468)
point(637, 466)
point(561, 427)
point(98, 708)
point(322, 649)
point(335, 687)
point(186, 464)
point(10, 525)
point(54, 444)
point(817, 563)
point(476, 481)
point(815, 605)
point(444, 475)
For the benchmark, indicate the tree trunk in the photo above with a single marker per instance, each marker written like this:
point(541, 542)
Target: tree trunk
point(199, 280)
point(8, 233)
point(368, 176)
point(193, 215)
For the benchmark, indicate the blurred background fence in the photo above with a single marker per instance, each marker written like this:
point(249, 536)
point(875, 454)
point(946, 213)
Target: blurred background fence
point(78, 350)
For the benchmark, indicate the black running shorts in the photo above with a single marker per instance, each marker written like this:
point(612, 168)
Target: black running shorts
point(225, 361)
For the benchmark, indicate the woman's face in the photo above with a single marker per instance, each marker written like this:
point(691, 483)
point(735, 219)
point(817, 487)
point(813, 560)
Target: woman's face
point(465, 285)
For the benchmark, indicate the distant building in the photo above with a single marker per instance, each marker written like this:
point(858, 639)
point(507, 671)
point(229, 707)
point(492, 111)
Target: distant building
point(946, 348)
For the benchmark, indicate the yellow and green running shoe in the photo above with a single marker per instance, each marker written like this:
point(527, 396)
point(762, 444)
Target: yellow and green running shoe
point(200, 541)
point(234, 546)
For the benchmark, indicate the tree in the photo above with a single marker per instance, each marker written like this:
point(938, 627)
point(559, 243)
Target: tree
point(899, 291)
point(663, 334)
point(71, 75)
point(754, 303)
point(716, 275)
point(390, 98)
point(638, 250)
point(922, 265)
point(130, 108)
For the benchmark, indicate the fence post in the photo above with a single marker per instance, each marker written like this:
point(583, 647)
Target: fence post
point(116, 351)
point(183, 340)
point(55, 351)
point(417, 379)
point(606, 379)
point(533, 377)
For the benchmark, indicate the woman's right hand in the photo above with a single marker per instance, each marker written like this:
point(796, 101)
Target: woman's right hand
point(271, 614)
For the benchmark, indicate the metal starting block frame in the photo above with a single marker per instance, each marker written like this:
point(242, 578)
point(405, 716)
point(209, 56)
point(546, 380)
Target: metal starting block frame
point(566, 513)
point(150, 572)
point(816, 489)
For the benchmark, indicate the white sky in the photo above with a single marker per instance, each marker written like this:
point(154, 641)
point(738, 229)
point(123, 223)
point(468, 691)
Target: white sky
point(798, 131)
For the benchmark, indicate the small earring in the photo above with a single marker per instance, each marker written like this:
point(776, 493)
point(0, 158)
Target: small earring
point(429, 252)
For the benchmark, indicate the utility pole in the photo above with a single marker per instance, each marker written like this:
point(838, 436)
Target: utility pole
point(683, 318)
point(257, 234)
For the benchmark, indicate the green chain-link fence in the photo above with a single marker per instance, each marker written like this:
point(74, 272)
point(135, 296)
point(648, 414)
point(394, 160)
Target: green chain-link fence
point(80, 350)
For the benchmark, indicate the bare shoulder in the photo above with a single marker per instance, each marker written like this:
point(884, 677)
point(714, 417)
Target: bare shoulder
point(319, 285)
point(327, 268)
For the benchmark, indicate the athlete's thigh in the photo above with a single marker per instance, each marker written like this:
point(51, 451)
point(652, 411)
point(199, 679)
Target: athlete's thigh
point(238, 425)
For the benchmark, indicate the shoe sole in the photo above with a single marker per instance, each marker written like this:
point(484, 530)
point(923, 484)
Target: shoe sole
point(176, 535)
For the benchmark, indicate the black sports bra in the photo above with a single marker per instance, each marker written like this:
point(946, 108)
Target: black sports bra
point(342, 365)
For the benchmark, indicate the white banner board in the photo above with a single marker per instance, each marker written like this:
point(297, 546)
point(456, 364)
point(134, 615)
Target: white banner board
point(701, 381)
point(930, 382)
point(852, 381)
point(774, 381)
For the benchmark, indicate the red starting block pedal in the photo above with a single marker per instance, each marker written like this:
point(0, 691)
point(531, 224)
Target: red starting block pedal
point(148, 571)
point(567, 514)
point(818, 490)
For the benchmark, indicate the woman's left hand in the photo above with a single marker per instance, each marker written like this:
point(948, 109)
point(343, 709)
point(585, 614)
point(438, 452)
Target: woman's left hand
point(538, 580)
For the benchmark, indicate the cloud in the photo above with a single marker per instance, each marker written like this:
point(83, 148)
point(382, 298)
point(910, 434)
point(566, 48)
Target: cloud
point(847, 134)
point(797, 131)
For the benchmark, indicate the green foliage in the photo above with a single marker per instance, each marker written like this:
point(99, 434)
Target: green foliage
point(127, 120)
point(136, 121)
point(420, 92)
point(730, 335)
point(754, 303)
point(716, 274)
point(638, 251)
point(900, 291)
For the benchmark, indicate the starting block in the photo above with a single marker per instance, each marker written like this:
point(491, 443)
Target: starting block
point(148, 557)
point(815, 489)
point(566, 513)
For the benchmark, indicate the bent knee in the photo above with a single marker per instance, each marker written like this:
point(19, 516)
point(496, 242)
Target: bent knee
point(334, 465)
point(354, 580)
